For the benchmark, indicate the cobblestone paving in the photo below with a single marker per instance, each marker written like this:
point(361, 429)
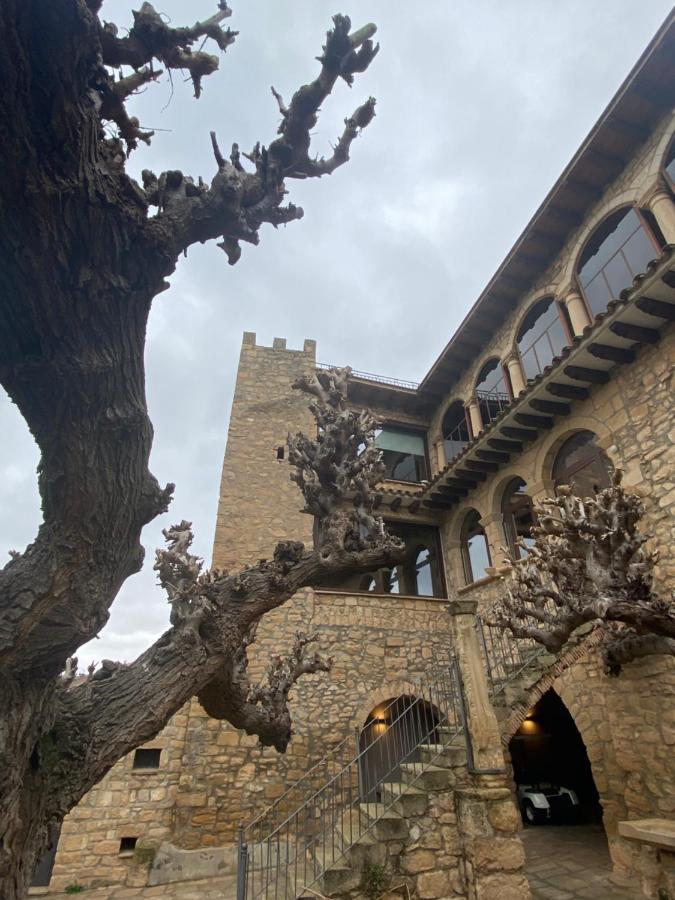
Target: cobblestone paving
point(570, 862)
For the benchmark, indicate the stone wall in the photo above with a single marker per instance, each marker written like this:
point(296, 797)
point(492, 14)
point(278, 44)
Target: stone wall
point(380, 645)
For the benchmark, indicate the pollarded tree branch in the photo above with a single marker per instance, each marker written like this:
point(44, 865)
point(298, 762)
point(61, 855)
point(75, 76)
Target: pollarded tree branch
point(151, 38)
point(589, 564)
point(238, 202)
point(214, 618)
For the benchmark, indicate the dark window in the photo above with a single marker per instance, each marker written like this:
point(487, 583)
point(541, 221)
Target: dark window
point(618, 251)
point(280, 452)
point(669, 165)
point(492, 391)
point(455, 430)
point(581, 464)
point(147, 759)
point(424, 586)
point(127, 846)
point(475, 550)
point(403, 453)
point(367, 583)
point(541, 337)
point(517, 517)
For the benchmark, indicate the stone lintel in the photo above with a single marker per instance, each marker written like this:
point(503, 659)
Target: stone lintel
point(660, 832)
point(462, 607)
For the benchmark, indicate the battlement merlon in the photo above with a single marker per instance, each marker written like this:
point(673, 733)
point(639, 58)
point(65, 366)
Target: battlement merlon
point(308, 348)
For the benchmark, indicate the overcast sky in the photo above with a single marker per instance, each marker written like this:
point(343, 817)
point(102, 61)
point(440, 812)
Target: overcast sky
point(480, 105)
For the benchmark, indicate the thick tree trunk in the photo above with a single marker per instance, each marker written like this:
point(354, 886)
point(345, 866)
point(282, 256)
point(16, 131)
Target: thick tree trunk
point(80, 263)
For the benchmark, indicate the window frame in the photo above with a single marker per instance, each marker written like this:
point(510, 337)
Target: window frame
point(646, 228)
point(485, 399)
point(595, 452)
point(467, 423)
point(467, 566)
point(569, 337)
point(416, 432)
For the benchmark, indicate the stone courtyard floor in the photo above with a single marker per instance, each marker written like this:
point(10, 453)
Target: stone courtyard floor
point(566, 862)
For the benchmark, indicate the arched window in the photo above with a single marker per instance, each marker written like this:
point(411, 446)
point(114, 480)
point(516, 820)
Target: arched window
point(492, 391)
point(517, 516)
point(455, 430)
point(669, 165)
point(475, 550)
point(541, 337)
point(619, 249)
point(581, 464)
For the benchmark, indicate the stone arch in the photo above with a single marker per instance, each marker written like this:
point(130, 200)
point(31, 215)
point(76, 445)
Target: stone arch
point(373, 699)
point(543, 465)
point(496, 490)
point(551, 289)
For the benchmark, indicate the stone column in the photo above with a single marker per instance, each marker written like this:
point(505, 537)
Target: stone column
point(481, 720)
point(662, 206)
point(494, 532)
point(440, 455)
point(475, 417)
point(512, 363)
point(487, 818)
point(577, 312)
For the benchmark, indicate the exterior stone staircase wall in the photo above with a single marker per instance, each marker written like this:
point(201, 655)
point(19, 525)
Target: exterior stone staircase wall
point(451, 835)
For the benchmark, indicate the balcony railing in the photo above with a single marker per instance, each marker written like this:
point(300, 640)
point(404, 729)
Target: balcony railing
point(455, 441)
point(491, 404)
point(380, 379)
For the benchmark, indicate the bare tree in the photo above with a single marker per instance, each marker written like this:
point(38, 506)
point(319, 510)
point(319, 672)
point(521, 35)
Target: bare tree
point(589, 564)
point(84, 249)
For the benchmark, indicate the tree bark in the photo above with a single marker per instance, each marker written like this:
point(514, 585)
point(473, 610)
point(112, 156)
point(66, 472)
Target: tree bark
point(81, 259)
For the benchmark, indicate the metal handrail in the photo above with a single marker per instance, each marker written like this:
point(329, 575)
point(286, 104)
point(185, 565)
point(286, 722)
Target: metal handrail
point(505, 657)
point(381, 379)
point(319, 833)
point(337, 756)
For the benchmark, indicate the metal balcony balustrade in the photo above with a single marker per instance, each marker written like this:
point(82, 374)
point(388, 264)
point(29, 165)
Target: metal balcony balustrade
point(380, 379)
point(491, 404)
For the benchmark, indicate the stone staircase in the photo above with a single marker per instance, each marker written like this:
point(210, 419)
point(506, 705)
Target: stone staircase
point(375, 834)
point(513, 688)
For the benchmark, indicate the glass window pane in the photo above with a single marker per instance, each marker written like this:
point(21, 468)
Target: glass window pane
point(543, 351)
point(401, 441)
point(558, 337)
point(453, 448)
point(597, 294)
point(479, 556)
point(425, 587)
point(530, 365)
point(619, 234)
point(618, 274)
point(639, 252)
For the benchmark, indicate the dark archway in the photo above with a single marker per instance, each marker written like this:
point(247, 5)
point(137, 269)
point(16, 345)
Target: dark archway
point(550, 761)
point(390, 736)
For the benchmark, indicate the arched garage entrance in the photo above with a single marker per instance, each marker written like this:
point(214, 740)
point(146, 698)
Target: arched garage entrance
point(551, 767)
point(390, 736)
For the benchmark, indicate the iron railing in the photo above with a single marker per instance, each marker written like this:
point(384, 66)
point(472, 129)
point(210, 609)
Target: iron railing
point(381, 379)
point(281, 862)
point(455, 441)
point(491, 404)
point(504, 655)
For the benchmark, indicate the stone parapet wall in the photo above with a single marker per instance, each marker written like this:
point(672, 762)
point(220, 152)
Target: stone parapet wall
point(381, 646)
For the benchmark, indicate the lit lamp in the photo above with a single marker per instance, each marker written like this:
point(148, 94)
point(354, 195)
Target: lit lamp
point(379, 725)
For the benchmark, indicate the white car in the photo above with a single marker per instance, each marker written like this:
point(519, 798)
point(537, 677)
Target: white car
point(546, 802)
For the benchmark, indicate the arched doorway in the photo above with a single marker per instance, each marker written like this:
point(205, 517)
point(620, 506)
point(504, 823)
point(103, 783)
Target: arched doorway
point(390, 736)
point(551, 768)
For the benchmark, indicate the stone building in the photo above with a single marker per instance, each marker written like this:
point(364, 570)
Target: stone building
point(561, 371)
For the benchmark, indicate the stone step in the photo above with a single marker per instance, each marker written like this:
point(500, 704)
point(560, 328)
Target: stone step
point(339, 879)
point(408, 801)
point(387, 824)
point(452, 755)
point(428, 777)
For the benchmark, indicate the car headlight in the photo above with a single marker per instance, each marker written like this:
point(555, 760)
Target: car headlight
point(538, 800)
